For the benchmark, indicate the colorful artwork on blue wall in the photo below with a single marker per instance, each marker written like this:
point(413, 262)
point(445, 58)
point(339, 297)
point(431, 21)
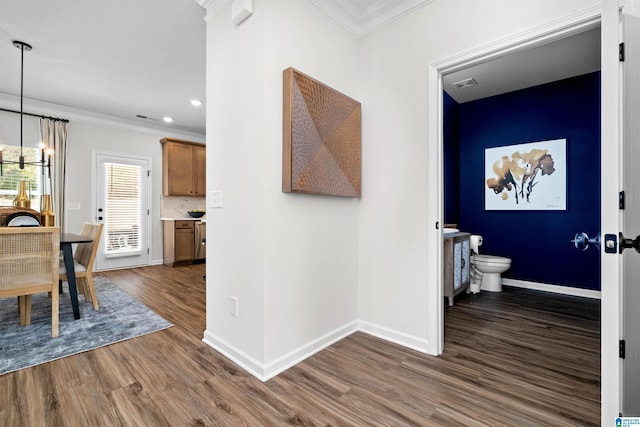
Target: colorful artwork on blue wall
point(525, 177)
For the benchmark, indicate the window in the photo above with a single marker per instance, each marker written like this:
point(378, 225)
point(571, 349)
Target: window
point(37, 178)
point(122, 208)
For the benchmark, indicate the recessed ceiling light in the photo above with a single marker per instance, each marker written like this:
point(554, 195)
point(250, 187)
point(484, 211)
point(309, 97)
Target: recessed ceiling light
point(196, 102)
point(167, 119)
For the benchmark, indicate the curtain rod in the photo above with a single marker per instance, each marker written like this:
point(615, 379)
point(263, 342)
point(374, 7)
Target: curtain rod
point(36, 115)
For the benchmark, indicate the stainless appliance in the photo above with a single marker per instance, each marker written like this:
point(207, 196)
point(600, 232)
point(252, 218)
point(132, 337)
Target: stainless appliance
point(200, 241)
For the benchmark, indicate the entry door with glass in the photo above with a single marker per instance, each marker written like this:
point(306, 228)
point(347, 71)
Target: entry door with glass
point(122, 205)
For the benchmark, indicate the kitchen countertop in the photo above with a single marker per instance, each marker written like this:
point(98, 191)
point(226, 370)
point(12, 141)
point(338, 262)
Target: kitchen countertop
point(188, 218)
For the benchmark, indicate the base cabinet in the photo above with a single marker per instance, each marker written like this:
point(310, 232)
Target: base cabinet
point(456, 255)
point(178, 239)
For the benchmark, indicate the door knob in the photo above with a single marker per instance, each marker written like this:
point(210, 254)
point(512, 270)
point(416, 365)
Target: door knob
point(629, 243)
point(582, 241)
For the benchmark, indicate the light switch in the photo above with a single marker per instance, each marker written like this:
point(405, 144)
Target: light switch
point(215, 199)
point(73, 206)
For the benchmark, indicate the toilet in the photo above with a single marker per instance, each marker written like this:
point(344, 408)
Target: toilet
point(487, 269)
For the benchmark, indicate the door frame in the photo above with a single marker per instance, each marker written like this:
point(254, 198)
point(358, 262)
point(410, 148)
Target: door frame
point(94, 196)
point(605, 15)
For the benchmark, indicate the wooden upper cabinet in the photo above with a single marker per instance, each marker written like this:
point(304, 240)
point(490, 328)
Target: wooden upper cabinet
point(200, 170)
point(184, 167)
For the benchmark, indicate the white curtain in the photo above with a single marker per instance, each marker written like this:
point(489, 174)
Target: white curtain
point(53, 133)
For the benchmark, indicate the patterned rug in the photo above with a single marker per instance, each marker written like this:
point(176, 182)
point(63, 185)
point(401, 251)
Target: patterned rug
point(120, 317)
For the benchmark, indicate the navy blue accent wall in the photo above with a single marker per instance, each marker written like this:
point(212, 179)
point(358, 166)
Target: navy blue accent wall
point(539, 243)
point(451, 159)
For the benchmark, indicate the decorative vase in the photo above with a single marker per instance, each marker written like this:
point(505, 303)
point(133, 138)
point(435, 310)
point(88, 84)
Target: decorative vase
point(22, 200)
point(47, 218)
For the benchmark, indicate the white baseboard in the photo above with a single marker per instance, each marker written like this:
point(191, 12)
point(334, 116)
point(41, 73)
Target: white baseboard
point(394, 336)
point(565, 290)
point(298, 355)
point(240, 358)
point(269, 370)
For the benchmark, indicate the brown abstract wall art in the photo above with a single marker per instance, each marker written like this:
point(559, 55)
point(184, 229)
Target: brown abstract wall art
point(530, 176)
point(321, 150)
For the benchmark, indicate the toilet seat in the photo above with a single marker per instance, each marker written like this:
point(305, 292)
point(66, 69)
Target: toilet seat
point(491, 259)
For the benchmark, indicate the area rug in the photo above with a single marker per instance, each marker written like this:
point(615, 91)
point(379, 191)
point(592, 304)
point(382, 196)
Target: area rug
point(120, 317)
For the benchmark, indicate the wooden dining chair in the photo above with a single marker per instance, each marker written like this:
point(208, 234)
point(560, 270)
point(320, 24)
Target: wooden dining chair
point(83, 260)
point(29, 265)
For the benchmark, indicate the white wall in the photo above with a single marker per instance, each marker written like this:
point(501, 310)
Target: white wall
point(10, 130)
point(291, 259)
point(311, 245)
point(86, 137)
point(235, 151)
point(393, 215)
point(86, 133)
point(306, 267)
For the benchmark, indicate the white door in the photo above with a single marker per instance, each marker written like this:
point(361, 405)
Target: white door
point(122, 205)
point(631, 217)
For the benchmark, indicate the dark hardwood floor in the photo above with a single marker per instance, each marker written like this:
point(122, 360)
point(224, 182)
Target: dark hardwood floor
point(517, 358)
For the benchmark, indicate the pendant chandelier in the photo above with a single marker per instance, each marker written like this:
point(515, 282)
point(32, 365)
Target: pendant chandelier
point(21, 161)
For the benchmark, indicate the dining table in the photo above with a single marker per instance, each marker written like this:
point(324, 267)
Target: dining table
point(67, 240)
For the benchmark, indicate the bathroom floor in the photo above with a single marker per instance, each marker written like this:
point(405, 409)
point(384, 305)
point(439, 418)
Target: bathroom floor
point(531, 354)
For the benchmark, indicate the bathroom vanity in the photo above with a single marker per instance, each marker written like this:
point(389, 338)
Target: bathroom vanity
point(455, 254)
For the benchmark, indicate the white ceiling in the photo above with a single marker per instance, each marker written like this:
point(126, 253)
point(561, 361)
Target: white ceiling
point(123, 58)
point(120, 58)
point(568, 57)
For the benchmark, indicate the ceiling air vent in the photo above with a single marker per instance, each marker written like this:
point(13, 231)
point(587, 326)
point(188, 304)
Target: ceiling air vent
point(140, 116)
point(462, 84)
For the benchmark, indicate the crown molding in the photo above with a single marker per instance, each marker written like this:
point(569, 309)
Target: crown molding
point(361, 21)
point(211, 6)
point(69, 113)
point(349, 13)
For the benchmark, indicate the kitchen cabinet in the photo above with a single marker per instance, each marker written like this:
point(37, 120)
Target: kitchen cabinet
point(456, 255)
point(178, 237)
point(184, 166)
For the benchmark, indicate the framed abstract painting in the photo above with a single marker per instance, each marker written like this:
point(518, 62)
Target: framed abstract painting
point(525, 177)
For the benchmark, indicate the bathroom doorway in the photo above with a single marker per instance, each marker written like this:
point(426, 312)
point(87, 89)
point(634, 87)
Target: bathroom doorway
point(554, 114)
point(497, 109)
point(608, 16)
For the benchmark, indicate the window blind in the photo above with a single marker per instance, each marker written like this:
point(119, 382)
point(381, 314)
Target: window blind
point(122, 210)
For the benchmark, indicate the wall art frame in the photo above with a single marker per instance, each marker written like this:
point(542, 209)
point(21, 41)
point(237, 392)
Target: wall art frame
point(526, 177)
point(321, 138)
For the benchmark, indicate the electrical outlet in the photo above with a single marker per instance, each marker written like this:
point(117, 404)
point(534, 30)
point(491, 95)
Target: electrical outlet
point(233, 306)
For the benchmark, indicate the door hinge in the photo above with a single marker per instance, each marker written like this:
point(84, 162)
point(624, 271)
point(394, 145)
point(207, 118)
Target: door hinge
point(622, 349)
point(148, 173)
point(147, 251)
point(621, 52)
point(621, 200)
point(147, 212)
